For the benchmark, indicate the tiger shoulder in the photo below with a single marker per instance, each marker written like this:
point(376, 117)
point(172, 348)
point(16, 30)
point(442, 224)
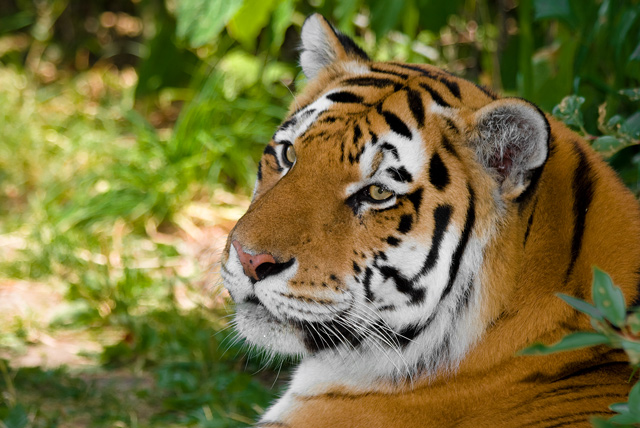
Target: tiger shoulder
point(407, 236)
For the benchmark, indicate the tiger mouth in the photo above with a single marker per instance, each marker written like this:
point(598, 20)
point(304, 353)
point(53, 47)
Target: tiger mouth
point(316, 335)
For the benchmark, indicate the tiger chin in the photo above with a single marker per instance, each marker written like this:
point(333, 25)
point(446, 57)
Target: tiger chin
point(408, 233)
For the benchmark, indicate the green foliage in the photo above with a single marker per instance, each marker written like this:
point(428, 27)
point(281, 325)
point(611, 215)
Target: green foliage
point(618, 133)
point(117, 117)
point(617, 327)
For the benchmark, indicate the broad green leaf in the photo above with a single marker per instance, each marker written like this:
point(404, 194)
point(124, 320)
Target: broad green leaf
point(631, 126)
point(581, 339)
point(625, 418)
point(200, 21)
point(634, 400)
point(632, 93)
point(582, 306)
point(620, 407)
point(608, 145)
point(608, 298)
point(251, 18)
point(569, 112)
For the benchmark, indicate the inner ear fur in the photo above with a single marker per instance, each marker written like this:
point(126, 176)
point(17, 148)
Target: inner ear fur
point(323, 45)
point(511, 140)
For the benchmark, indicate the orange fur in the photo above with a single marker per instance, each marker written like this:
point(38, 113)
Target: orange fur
point(303, 215)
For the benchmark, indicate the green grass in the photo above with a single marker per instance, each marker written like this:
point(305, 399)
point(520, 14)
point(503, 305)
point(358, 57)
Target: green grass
point(111, 213)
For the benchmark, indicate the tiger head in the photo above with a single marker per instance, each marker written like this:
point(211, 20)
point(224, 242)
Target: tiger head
point(376, 205)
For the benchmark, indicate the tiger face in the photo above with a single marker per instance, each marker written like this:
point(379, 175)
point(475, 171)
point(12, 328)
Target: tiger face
point(374, 203)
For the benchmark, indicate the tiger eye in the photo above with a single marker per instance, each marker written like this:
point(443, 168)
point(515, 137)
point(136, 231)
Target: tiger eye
point(290, 153)
point(379, 193)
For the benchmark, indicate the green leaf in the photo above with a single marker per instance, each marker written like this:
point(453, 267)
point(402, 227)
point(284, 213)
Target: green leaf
point(200, 21)
point(608, 145)
point(251, 18)
point(385, 15)
point(631, 126)
point(17, 417)
point(608, 298)
point(635, 56)
point(633, 321)
point(581, 339)
point(569, 112)
point(633, 351)
point(620, 407)
point(582, 306)
point(634, 400)
point(553, 9)
point(632, 93)
point(625, 418)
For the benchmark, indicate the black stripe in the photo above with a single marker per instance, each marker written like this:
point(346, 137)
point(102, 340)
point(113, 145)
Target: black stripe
point(529, 224)
point(405, 224)
point(438, 172)
point(636, 300)
point(462, 244)
point(451, 85)
point(292, 121)
point(356, 268)
point(393, 241)
point(573, 414)
point(391, 149)
point(320, 336)
point(396, 125)
point(357, 133)
point(528, 193)
point(451, 124)
point(466, 296)
point(403, 285)
point(448, 146)
point(409, 333)
point(416, 199)
point(349, 45)
point(400, 174)
point(434, 95)
point(259, 171)
point(393, 73)
point(583, 189)
point(442, 216)
point(270, 150)
point(416, 107)
point(488, 92)
point(366, 283)
point(345, 97)
point(369, 81)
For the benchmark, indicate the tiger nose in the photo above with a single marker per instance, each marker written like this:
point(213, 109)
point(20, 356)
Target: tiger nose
point(256, 267)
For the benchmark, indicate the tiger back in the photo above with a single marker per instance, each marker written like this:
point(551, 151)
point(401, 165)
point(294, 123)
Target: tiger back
point(408, 234)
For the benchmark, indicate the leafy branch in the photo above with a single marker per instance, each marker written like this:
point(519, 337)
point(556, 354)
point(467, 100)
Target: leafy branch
point(616, 326)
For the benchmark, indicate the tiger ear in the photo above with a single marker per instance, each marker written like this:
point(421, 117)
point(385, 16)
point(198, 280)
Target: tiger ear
point(511, 140)
point(323, 45)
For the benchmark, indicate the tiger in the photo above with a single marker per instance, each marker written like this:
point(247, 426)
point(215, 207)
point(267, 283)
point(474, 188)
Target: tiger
point(407, 235)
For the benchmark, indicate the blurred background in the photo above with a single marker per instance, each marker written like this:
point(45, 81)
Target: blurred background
point(129, 135)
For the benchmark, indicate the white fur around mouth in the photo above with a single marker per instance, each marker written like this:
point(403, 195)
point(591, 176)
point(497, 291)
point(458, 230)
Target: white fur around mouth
point(260, 327)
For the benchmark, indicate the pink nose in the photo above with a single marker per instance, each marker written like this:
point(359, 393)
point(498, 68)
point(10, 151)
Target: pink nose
point(257, 266)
